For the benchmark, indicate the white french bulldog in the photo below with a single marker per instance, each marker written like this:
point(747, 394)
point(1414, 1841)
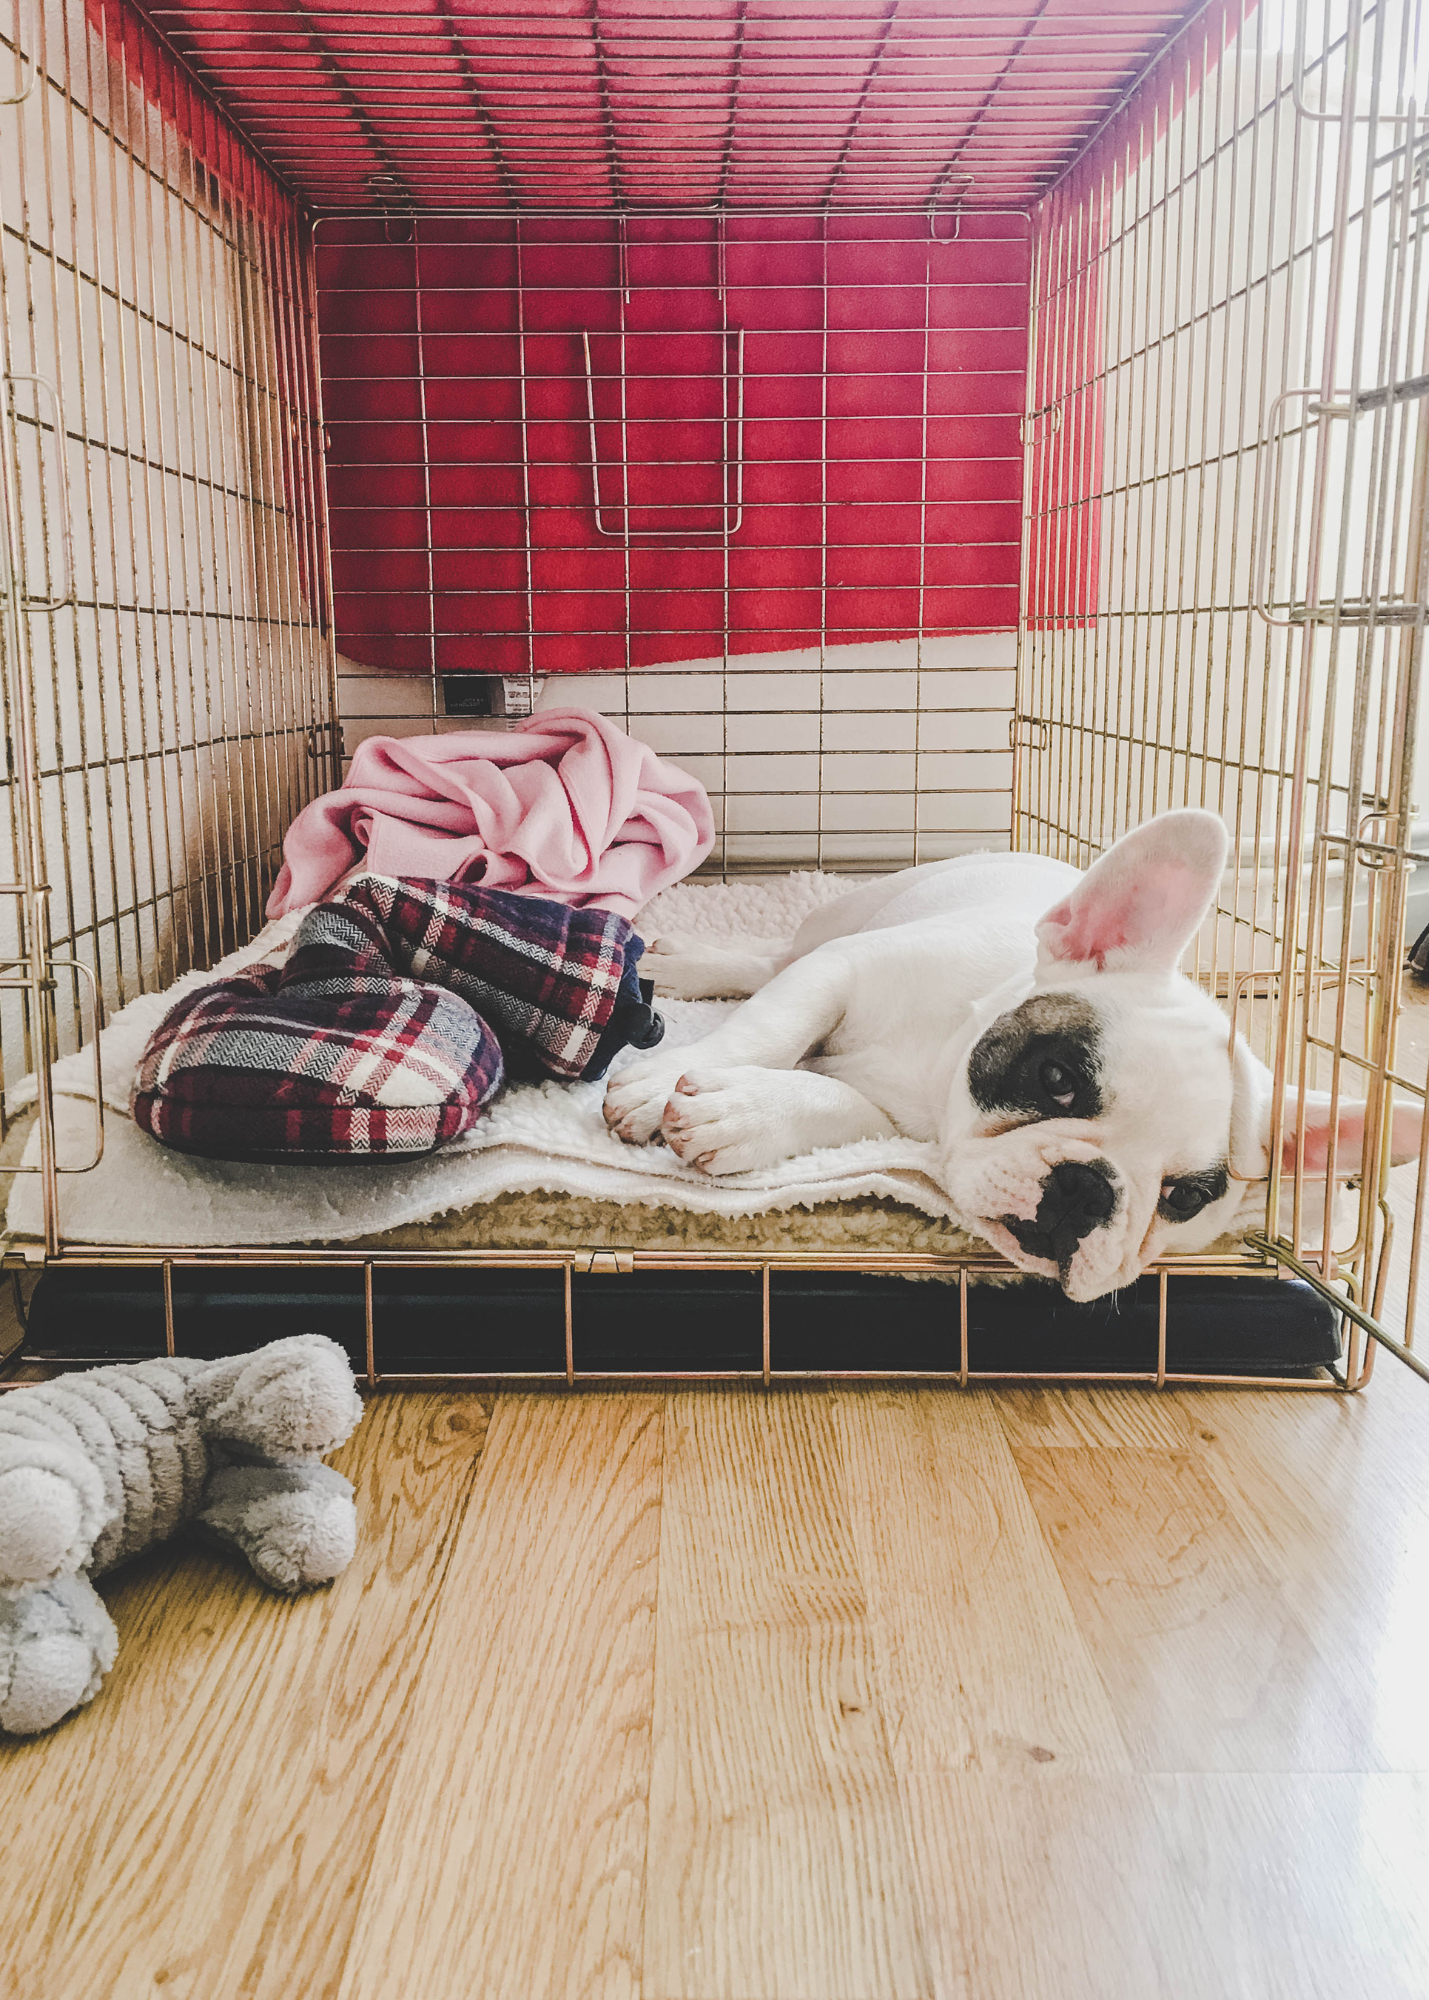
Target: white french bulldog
point(1090, 1106)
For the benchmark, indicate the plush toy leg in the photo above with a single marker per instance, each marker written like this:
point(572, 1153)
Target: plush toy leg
point(57, 1642)
point(294, 1522)
point(292, 1399)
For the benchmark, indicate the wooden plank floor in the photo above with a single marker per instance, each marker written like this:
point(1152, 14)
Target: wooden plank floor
point(821, 1694)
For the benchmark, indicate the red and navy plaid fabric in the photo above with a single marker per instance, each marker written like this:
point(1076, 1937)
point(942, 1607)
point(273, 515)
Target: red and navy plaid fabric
point(369, 1039)
point(547, 977)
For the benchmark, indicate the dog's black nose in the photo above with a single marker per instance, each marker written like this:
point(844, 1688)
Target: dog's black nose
point(1077, 1197)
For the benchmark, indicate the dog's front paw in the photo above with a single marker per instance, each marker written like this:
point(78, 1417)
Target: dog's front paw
point(725, 1121)
point(636, 1095)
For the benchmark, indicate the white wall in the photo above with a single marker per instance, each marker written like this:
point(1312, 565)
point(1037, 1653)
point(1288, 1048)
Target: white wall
point(874, 754)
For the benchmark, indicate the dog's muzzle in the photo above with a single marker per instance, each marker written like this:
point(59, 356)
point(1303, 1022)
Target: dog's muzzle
point(1077, 1197)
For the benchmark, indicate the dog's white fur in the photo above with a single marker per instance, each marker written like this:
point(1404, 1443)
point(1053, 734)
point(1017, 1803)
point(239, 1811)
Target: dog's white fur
point(937, 1001)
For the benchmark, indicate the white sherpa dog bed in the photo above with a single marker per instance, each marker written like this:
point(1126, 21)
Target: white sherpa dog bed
point(536, 1136)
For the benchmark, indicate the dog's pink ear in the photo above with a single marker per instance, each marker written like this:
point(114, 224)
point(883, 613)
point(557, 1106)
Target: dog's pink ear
point(1406, 1127)
point(1138, 908)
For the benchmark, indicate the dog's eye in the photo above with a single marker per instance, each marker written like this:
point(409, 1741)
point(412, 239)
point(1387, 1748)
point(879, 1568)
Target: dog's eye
point(1183, 1199)
point(1059, 1084)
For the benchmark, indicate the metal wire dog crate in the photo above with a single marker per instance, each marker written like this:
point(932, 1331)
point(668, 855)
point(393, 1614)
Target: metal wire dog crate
point(932, 428)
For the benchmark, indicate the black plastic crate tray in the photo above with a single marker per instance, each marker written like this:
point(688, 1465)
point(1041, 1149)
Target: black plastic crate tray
point(485, 1321)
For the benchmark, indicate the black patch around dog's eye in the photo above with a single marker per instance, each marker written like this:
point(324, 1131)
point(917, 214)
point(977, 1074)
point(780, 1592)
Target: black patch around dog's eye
point(1185, 1195)
point(1041, 1060)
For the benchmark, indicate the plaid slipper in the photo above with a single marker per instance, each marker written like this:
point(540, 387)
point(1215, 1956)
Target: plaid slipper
point(368, 1040)
point(558, 985)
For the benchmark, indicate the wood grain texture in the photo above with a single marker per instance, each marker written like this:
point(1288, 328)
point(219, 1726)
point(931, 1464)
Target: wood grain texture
point(1331, 1494)
point(1142, 1419)
point(981, 1663)
point(1047, 1887)
point(1207, 1666)
point(1305, 1887)
point(1336, 1507)
point(779, 1868)
point(1222, 1887)
point(512, 1850)
point(768, 1733)
point(226, 1789)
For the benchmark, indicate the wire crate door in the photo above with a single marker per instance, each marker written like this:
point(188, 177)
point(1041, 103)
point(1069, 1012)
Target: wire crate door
point(1226, 583)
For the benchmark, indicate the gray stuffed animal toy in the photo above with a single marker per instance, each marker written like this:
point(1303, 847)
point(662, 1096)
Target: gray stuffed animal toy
point(96, 1467)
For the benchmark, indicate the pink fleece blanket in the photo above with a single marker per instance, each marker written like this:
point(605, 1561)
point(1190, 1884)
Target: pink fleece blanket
point(563, 805)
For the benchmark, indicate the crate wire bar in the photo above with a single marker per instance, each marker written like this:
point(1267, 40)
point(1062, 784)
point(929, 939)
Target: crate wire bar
point(725, 106)
point(461, 275)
